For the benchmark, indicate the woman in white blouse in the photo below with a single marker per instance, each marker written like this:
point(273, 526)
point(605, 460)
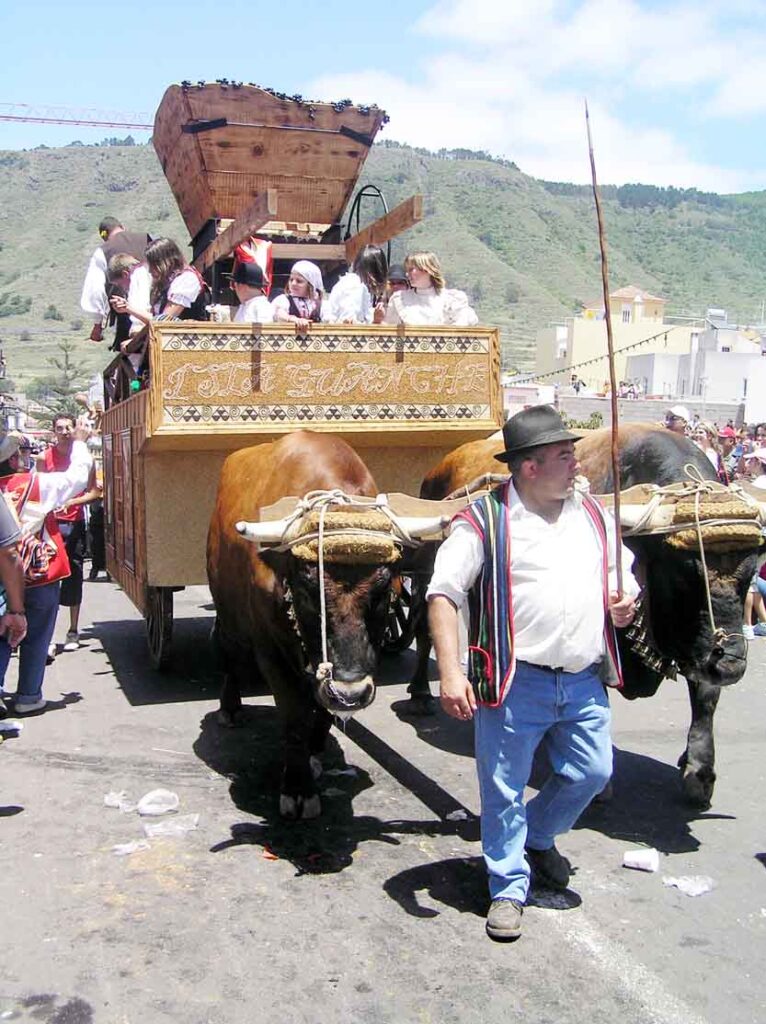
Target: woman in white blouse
point(358, 294)
point(177, 292)
point(428, 301)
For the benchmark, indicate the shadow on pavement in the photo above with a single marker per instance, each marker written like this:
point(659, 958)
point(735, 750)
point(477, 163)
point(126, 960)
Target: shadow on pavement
point(250, 756)
point(193, 674)
point(461, 883)
point(648, 806)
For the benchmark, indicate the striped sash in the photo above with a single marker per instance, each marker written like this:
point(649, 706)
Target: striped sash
point(491, 655)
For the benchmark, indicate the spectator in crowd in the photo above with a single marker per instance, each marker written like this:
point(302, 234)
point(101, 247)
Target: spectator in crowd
point(428, 301)
point(13, 619)
point(705, 437)
point(248, 285)
point(301, 304)
point(96, 291)
point(727, 440)
point(755, 468)
point(359, 293)
point(70, 519)
point(677, 419)
point(34, 496)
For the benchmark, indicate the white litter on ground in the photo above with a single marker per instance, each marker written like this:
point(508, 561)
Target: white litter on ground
point(691, 885)
point(173, 826)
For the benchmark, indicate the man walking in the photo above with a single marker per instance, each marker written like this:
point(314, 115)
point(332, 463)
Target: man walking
point(536, 561)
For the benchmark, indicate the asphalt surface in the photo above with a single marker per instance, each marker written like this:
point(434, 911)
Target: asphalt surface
point(375, 912)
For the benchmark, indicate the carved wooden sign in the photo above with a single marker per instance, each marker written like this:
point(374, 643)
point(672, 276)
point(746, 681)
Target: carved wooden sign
point(221, 373)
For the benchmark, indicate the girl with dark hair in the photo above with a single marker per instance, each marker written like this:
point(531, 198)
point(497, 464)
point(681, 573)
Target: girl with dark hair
point(356, 297)
point(177, 291)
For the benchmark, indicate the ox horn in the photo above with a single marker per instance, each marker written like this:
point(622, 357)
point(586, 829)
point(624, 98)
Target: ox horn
point(423, 527)
point(267, 532)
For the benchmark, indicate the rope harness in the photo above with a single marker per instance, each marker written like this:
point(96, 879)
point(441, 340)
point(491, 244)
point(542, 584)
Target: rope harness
point(334, 527)
point(705, 514)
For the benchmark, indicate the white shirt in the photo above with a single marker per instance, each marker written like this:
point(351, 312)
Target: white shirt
point(348, 302)
point(56, 489)
point(255, 311)
point(139, 294)
point(183, 289)
point(427, 306)
point(93, 298)
point(558, 606)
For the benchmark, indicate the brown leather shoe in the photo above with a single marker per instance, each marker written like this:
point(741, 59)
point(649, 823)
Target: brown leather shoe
point(548, 868)
point(504, 920)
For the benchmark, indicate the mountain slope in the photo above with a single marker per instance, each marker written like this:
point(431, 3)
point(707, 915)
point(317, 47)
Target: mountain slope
point(526, 251)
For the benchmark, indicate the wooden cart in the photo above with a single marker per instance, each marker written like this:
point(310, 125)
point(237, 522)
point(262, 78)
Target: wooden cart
point(401, 397)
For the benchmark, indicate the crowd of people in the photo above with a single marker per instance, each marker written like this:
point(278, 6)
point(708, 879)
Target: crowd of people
point(42, 550)
point(737, 455)
point(133, 280)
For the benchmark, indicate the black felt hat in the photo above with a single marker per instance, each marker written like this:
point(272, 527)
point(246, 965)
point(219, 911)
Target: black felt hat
point(249, 274)
point(539, 425)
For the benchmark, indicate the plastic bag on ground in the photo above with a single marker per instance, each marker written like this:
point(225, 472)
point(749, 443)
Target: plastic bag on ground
point(691, 885)
point(123, 849)
point(158, 801)
point(173, 826)
point(119, 800)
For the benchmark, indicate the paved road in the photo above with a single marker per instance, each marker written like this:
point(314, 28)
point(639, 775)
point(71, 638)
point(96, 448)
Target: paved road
point(374, 913)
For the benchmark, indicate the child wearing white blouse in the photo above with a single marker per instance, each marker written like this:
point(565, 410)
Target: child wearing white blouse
point(428, 301)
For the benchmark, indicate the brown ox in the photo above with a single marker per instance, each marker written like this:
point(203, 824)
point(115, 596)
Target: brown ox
point(675, 605)
point(268, 606)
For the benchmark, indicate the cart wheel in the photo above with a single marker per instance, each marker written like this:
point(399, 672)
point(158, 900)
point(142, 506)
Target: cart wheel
point(159, 625)
point(400, 627)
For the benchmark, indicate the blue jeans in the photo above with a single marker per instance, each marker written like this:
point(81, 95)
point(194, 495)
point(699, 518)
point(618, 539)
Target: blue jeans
point(570, 712)
point(41, 605)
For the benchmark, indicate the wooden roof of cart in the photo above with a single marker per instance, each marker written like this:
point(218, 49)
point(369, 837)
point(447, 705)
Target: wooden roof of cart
point(224, 145)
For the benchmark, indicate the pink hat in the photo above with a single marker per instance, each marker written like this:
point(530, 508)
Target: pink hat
point(727, 432)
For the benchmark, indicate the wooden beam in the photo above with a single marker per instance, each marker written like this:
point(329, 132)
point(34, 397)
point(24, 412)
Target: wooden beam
point(262, 210)
point(315, 251)
point(387, 227)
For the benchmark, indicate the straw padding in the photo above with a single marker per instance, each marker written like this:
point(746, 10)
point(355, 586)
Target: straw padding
point(372, 544)
point(716, 536)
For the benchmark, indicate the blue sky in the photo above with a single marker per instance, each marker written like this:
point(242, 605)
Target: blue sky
point(677, 89)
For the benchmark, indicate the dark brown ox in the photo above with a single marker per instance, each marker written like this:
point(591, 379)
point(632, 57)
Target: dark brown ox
point(268, 606)
point(675, 604)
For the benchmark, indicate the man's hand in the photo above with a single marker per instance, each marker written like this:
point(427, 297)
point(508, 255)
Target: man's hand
point(622, 609)
point(83, 428)
point(457, 696)
point(97, 334)
point(13, 627)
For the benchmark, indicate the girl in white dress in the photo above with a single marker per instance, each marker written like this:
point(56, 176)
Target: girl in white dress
point(428, 301)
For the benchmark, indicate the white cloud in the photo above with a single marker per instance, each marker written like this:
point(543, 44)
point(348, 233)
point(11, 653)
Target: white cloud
point(511, 76)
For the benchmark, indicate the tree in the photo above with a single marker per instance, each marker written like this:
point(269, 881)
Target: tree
point(51, 313)
point(56, 390)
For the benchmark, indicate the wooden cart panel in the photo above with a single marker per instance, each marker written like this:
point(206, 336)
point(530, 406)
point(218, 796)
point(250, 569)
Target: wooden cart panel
point(403, 399)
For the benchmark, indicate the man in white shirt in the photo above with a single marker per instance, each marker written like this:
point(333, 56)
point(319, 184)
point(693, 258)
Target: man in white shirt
point(536, 562)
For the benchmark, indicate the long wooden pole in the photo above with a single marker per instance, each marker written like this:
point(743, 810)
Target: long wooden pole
point(610, 352)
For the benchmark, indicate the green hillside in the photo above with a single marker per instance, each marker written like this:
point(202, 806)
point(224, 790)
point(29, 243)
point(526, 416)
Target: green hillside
point(525, 250)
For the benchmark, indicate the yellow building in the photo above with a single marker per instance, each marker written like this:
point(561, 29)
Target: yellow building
point(578, 345)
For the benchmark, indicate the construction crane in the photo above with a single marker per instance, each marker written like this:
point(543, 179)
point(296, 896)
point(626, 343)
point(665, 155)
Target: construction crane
point(89, 116)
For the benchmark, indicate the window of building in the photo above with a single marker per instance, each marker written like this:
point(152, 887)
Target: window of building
point(626, 316)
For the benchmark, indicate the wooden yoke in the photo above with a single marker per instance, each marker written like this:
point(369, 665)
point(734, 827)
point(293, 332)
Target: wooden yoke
point(402, 217)
point(246, 224)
